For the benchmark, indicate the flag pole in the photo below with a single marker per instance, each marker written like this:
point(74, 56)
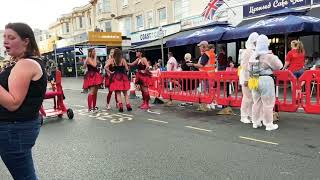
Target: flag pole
point(234, 13)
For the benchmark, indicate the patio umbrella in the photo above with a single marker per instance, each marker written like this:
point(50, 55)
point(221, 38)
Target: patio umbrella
point(213, 32)
point(279, 25)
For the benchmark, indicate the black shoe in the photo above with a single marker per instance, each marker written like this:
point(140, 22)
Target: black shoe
point(129, 108)
point(158, 101)
point(120, 107)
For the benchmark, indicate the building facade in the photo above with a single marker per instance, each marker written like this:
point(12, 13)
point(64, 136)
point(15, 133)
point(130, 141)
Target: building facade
point(2, 50)
point(139, 21)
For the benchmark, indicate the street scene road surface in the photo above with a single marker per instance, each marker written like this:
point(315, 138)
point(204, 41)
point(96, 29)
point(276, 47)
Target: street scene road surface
point(171, 143)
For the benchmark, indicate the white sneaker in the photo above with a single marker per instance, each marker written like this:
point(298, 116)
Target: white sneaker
point(272, 127)
point(255, 126)
point(208, 106)
point(245, 120)
point(212, 106)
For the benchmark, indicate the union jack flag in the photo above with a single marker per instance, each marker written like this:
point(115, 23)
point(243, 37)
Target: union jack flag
point(211, 9)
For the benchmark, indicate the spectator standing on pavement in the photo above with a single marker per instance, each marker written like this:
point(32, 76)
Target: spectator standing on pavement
point(159, 64)
point(247, 102)
point(92, 80)
point(189, 84)
point(261, 66)
point(143, 77)
point(295, 58)
point(222, 59)
point(204, 64)
point(22, 88)
point(119, 80)
point(212, 56)
point(314, 62)
point(172, 63)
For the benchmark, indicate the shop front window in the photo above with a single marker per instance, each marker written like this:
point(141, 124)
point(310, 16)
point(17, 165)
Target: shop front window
point(108, 27)
point(139, 22)
point(177, 10)
point(162, 14)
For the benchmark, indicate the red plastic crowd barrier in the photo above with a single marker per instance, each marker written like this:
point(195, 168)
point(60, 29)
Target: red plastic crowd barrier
point(228, 92)
point(223, 88)
point(286, 101)
point(187, 86)
point(154, 87)
point(311, 96)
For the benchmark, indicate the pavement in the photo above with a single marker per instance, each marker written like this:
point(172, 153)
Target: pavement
point(171, 143)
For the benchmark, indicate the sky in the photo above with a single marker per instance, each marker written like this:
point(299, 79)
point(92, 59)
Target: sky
point(37, 13)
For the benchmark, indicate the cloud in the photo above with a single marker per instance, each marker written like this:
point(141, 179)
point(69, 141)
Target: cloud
point(37, 13)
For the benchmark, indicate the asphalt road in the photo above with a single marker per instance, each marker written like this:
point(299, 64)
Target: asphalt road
point(173, 143)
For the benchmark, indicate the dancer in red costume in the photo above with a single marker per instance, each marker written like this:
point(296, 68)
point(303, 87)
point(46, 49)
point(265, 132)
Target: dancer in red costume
point(107, 80)
point(143, 77)
point(119, 81)
point(92, 79)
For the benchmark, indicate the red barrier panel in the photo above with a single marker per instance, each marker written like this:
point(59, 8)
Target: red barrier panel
point(201, 87)
point(311, 97)
point(154, 87)
point(286, 101)
point(188, 86)
point(228, 80)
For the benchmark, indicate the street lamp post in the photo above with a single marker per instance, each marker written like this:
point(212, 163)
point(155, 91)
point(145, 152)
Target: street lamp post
point(75, 60)
point(55, 53)
point(161, 34)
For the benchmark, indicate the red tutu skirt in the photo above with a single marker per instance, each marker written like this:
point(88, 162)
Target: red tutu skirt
point(143, 79)
point(119, 82)
point(92, 79)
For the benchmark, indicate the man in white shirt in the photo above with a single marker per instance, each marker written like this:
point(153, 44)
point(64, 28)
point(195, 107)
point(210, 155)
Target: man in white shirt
point(172, 64)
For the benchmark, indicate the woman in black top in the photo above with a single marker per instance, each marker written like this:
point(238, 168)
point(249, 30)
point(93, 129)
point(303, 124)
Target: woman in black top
point(22, 88)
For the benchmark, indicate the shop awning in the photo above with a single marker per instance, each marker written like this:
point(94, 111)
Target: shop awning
point(208, 32)
point(165, 39)
point(282, 12)
point(276, 25)
point(211, 33)
point(65, 49)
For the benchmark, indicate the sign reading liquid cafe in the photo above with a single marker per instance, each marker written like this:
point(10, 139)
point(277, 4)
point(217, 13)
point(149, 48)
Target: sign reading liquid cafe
point(268, 6)
point(316, 1)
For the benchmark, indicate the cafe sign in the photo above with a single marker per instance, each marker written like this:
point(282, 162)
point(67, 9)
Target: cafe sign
point(268, 6)
point(316, 1)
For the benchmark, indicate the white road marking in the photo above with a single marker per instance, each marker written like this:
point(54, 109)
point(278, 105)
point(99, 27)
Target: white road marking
point(154, 120)
point(153, 112)
point(286, 173)
point(78, 106)
point(104, 115)
point(130, 115)
point(258, 140)
point(73, 89)
point(200, 129)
